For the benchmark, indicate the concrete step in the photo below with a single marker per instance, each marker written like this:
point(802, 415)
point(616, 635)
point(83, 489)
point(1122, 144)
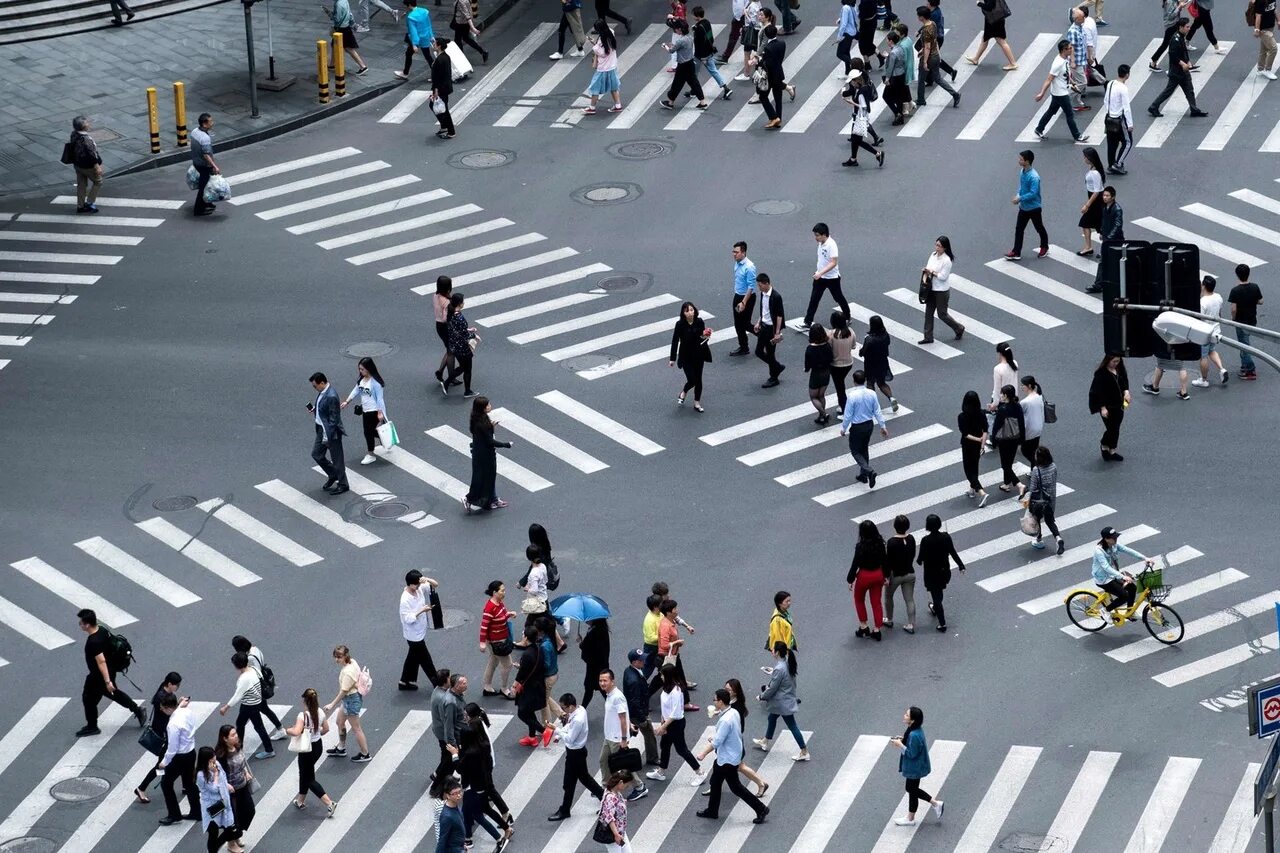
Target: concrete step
point(35, 22)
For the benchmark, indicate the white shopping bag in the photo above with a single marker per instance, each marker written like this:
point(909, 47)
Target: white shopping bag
point(387, 434)
point(217, 189)
point(193, 178)
point(461, 67)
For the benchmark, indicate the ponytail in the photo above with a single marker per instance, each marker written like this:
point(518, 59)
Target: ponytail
point(781, 649)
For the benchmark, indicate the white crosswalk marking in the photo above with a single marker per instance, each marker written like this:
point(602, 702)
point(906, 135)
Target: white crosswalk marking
point(813, 106)
point(486, 250)
point(1049, 564)
point(602, 424)
point(777, 765)
point(1257, 199)
point(531, 778)
point(813, 438)
point(1047, 285)
point(1184, 554)
point(26, 319)
point(904, 333)
point(674, 797)
point(1234, 113)
point(537, 309)
point(689, 112)
point(1272, 143)
point(60, 258)
point(115, 201)
point(69, 237)
point(535, 285)
point(31, 627)
point(769, 421)
point(1199, 627)
point(988, 819)
point(990, 512)
point(891, 478)
point(518, 474)
point(470, 278)
point(396, 204)
point(1220, 661)
point(198, 552)
point(589, 320)
point(1138, 74)
point(795, 59)
point(137, 571)
point(918, 503)
point(1236, 830)
point(371, 491)
point(571, 831)
point(310, 182)
point(39, 298)
point(942, 756)
point(648, 356)
point(541, 88)
point(1029, 65)
point(977, 328)
point(634, 333)
point(296, 165)
point(24, 732)
point(406, 107)
point(48, 278)
point(489, 83)
point(269, 538)
point(546, 441)
point(1235, 223)
point(14, 340)
point(1082, 798)
point(939, 100)
point(73, 592)
point(1181, 235)
point(1062, 255)
point(1105, 43)
point(399, 227)
point(1010, 541)
point(480, 228)
point(312, 510)
point(1153, 827)
point(641, 46)
point(331, 199)
point(839, 796)
point(1160, 129)
point(98, 221)
point(427, 473)
point(845, 460)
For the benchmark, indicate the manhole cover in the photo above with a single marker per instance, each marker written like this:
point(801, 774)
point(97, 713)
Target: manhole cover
point(617, 282)
point(640, 149)
point(1031, 842)
point(369, 348)
point(387, 509)
point(29, 844)
point(587, 362)
point(177, 503)
point(604, 194)
point(454, 616)
point(772, 207)
point(481, 159)
point(80, 789)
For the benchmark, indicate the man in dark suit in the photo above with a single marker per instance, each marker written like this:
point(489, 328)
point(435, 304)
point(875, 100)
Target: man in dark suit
point(768, 328)
point(1180, 68)
point(328, 414)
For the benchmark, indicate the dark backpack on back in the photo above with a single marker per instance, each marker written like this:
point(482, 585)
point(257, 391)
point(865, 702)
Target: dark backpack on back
point(119, 652)
point(268, 679)
point(553, 575)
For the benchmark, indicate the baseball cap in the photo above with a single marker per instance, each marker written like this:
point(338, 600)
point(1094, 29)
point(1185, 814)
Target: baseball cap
point(1110, 533)
point(635, 655)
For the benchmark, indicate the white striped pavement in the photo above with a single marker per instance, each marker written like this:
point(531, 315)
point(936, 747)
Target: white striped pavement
point(486, 250)
point(312, 510)
point(24, 732)
point(1050, 563)
point(14, 340)
point(1062, 255)
point(648, 356)
point(1105, 43)
point(295, 165)
point(589, 320)
point(426, 472)
point(537, 309)
point(60, 258)
point(825, 820)
point(530, 779)
point(4, 362)
point(516, 473)
point(1174, 109)
point(1083, 797)
point(330, 199)
point(640, 47)
point(1183, 554)
point(903, 333)
point(1010, 541)
point(399, 227)
point(972, 326)
point(72, 237)
point(73, 592)
point(1043, 283)
point(674, 796)
point(1236, 830)
point(890, 478)
point(39, 298)
point(1031, 64)
point(995, 508)
point(813, 438)
point(1257, 199)
point(656, 327)
point(795, 59)
point(406, 106)
point(921, 502)
point(441, 239)
point(31, 627)
point(26, 319)
point(116, 201)
point(546, 441)
point(131, 568)
point(545, 85)
point(752, 428)
point(1234, 113)
point(572, 831)
point(402, 203)
point(1235, 223)
point(845, 461)
point(1157, 818)
point(1271, 145)
point(1197, 628)
point(1138, 74)
point(815, 104)
point(534, 286)
point(1181, 235)
point(371, 491)
point(48, 278)
point(775, 768)
point(988, 819)
point(942, 756)
point(601, 423)
point(269, 538)
point(309, 183)
point(97, 221)
point(520, 265)
point(198, 552)
point(938, 100)
point(496, 76)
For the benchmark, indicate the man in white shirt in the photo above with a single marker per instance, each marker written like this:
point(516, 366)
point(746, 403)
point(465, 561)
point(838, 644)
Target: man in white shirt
point(826, 276)
point(1058, 86)
point(414, 607)
point(1119, 121)
point(573, 734)
point(1210, 305)
point(617, 729)
point(179, 761)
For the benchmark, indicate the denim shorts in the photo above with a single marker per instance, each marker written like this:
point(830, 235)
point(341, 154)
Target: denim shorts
point(1205, 349)
point(352, 704)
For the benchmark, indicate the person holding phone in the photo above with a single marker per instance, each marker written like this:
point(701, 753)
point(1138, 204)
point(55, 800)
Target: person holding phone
point(216, 818)
point(913, 764)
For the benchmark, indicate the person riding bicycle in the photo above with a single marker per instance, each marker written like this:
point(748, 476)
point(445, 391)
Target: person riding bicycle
point(1106, 569)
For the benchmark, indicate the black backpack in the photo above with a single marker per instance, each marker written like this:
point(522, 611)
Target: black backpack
point(268, 680)
point(869, 92)
point(119, 652)
point(553, 575)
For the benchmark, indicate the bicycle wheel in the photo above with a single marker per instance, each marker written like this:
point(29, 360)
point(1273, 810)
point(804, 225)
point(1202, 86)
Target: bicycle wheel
point(1085, 610)
point(1163, 622)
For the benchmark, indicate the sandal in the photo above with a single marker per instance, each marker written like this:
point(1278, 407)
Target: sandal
point(1005, 487)
point(141, 797)
point(697, 407)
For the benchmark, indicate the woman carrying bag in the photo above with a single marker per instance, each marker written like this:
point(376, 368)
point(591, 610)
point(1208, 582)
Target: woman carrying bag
point(611, 821)
point(217, 818)
point(370, 405)
point(1007, 432)
point(1041, 496)
point(690, 350)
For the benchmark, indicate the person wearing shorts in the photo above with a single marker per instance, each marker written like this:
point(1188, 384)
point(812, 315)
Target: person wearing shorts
point(1172, 365)
point(344, 23)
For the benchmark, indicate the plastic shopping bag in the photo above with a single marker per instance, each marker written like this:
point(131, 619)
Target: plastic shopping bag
point(387, 434)
point(217, 189)
point(193, 178)
point(1030, 524)
point(461, 67)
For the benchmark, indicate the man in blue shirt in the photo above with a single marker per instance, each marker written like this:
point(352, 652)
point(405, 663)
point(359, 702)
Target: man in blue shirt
point(744, 278)
point(452, 835)
point(860, 411)
point(1029, 206)
point(726, 743)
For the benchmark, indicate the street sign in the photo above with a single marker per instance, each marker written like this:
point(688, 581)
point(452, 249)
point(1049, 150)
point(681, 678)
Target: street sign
point(1265, 775)
point(1264, 708)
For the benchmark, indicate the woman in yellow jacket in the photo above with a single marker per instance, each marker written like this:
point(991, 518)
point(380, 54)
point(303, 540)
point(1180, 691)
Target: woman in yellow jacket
point(780, 628)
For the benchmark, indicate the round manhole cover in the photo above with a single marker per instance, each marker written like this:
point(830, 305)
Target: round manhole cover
point(455, 616)
point(29, 844)
point(80, 789)
point(369, 348)
point(177, 503)
point(617, 282)
point(481, 159)
point(587, 362)
point(604, 194)
point(772, 207)
point(387, 509)
point(640, 149)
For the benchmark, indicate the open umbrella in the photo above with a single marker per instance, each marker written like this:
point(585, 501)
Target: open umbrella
point(581, 606)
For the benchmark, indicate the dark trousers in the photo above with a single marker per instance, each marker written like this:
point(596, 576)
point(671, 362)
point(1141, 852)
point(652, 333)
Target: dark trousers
point(334, 464)
point(686, 75)
point(182, 766)
point(408, 54)
point(119, 6)
point(1111, 421)
point(735, 33)
point(651, 662)
point(1118, 144)
point(1203, 21)
point(369, 421)
point(243, 805)
point(604, 12)
point(772, 101)
point(856, 142)
point(1164, 45)
point(932, 74)
point(727, 774)
point(1048, 519)
point(1035, 217)
point(937, 302)
point(860, 446)
point(1029, 449)
point(254, 713)
point(462, 34)
point(418, 656)
point(935, 594)
point(475, 811)
point(94, 690)
point(942, 63)
point(205, 174)
point(838, 375)
point(1060, 102)
point(446, 120)
point(815, 297)
point(970, 453)
point(693, 376)
point(1176, 81)
point(151, 776)
point(575, 770)
point(789, 19)
point(741, 321)
point(463, 366)
point(1008, 453)
point(844, 52)
point(307, 770)
point(765, 348)
point(1122, 593)
point(216, 836)
point(915, 795)
point(444, 766)
point(673, 737)
point(528, 715)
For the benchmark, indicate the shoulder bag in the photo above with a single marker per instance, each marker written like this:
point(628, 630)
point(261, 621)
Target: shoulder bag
point(1050, 413)
point(300, 743)
point(153, 741)
point(1113, 124)
point(603, 833)
point(926, 286)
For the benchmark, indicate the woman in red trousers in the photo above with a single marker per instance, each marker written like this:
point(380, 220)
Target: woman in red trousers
point(866, 578)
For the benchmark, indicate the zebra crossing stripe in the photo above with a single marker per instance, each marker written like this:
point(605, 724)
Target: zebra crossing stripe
point(489, 83)
point(1160, 129)
point(1047, 285)
point(542, 87)
point(116, 201)
point(795, 59)
point(536, 285)
point(839, 796)
point(38, 298)
point(518, 474)
point(602, 424)
point(1236, 830)
point(48, 278)
point(1083, 797)
point(1234, 113)
point(1257, 199)
point(1235, 223)
point(26, 730)
point(777, 765)
point(428, 473)
point(758, 425)
point(687, 114)
point(1272, 143)
point(1011, 541)
point(648, 356)
point(1138, 74)
point(313, 510)
point(572, 831)
point(676, 794)
point(137, 571)
point(1029, 64)
point(1199, 627)
point(60, 258)
point(1050, 564)
point(546, 441)
point(529, 779)
point(198, 552)
point(537, 309)
point(917, 503)
point(434, 240)
point(72, 591)
point(310, 182)
point(845, 461)
point(634, 333)
point(590, 320)
point(1171, 789)
point(809, 439)
point(461, 257)
point(372, 492)
point(1184, 554)
point(403, 225)
point(338, 198)
point(406, 107)
point(977, 328)
point(990, 512)
point(905, 334)
point(501, 270)
point(392, 206)
point(269, 538)
point(891, 478)
point(988, 819)
point(70, 237)
point(1105, 43)
point(1062, 255)
point(638, 49)
point(14, 340)
point(26, 319)
point(939, 100)
point(896, 839)
point(295, 165)
point(1181, 235)
point(31, 627)
point(816, 104)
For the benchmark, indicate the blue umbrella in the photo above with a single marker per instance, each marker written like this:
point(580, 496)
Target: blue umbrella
point(581, 606)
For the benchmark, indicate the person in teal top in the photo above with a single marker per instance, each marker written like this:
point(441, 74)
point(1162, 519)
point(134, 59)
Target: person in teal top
point(418, 35)
point(342, 21)
point(913, 764)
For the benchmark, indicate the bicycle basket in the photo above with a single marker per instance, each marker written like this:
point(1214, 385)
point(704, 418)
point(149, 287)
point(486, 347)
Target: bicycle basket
point(1151, 579)
point(1158, 594)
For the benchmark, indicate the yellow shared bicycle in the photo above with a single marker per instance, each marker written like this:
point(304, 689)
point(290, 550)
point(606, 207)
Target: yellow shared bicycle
point(1087, 608)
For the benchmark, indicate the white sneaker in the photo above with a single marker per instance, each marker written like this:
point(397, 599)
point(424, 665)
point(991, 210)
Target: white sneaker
point(656, 775)
point(401, 75)
point(800, 756)
point(576, 52)
point(761, 743)
point(278, 734)
point(742, 78)
point(1224, 376)
point(1200, 383)
point(903, 821)
point(1270, 75)
point(557, 55)
point(368, 459)
point(697, 780)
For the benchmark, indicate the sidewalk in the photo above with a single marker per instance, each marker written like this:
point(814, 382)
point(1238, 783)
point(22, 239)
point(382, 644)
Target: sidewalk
point(105, 74)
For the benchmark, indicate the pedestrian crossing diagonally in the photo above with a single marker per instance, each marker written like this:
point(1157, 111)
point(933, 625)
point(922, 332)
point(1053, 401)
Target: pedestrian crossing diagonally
point(1176, 107)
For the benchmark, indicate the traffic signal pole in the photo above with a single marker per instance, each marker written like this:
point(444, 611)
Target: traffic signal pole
point(253, 73)
point(1123, 306)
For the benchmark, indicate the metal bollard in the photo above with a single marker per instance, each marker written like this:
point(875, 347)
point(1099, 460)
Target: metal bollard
point(339, 67)
point(180, 111)
point(322, 66)
point(153, 119)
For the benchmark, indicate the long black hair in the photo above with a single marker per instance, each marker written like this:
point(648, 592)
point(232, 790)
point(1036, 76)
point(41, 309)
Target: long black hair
point(739, 703)
point(607, 41)
point(1004, 351)
point(945, 242)
point(479, 417)
point(784, 651)
point(1091, 154)
point(368, 365)
point(455, 304)
point(917, 720)
point(538, 536)
point(839, 325)
point(970, 403)
point(203, 757)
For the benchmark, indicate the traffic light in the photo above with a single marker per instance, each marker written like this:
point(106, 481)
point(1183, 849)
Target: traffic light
point(1138, 272)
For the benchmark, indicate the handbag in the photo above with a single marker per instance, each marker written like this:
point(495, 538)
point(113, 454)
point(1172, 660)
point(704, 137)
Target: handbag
point(1050, 413)
point(1112, 124)
point(153, 741)
point(1030, 524)
point(860, 124)
point(216, 809)
point(474, 343)
point(669, 660)
point(1193, 10)
point(628, 759)
point(437, 612)
point(387, 434)
point(1009, 431)
point(359, 410)
point(1095, 74)
point(533, 604)
point(300, 742)
point(438, 106)
point(502, 648)
point(254, 785)
point(926, 286)
point(603, 833)
point(68, 153)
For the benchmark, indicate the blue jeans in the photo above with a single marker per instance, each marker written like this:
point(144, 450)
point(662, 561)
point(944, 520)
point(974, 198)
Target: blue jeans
point(1246, 360)
point(709, 63)
point(790, 720)
point(1059, 102)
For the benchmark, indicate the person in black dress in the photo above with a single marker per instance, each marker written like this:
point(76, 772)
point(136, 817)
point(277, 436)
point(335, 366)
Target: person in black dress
point(531, 687)
point(936, 553)
point(690, 349)
point(972, 422)
point(483, 493)
point(460, 340)
point(594, 646)
point(1007, 432)
point(817, 363)
point(875, 358)
point(1108, 397)
point(442, 87)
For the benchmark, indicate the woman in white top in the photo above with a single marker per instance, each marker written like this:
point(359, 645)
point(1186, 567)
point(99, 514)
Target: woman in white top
point(370, 405)
point(937, 269)
point(1004, 373)
point(672, 730)
point(751, 28)
point(306, 726)
point(1091, 210)
point(1032, 403)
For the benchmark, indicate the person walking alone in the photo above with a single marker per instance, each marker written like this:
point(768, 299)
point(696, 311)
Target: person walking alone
point(846, 32)
point(1118, 121)
point(418, 36)
point(342, 21)
point(1109, 397)
point(371, 408)
point(780, 696)
point(936, 553)
point(496, 640)
point(900, 554)
point(101, 681)
point(1091, 210)
point(1180, 68)
point(994, 13)
point(726, 743)
point(441, 89)
point(613, 811)
point(972, 423)
point(768, 328)
point(1264, 30)
point(1245, 298)
point(1211, 306)
point(744, 281)
point(87, 163)
point(914, 765)
point(1059, 87)
point(604, 61)
point(857, 94)
point(937, 269)
point(860, 412)
point(780, 627)
point(826, 276)
point(483, 493)
point(1029, 204)
point(1204, 21)
point(1041, 496)
point(691, 350)
point(414, 607)
point(866, 578)
point(202, 160)
point(327, 449)
point(465, 29)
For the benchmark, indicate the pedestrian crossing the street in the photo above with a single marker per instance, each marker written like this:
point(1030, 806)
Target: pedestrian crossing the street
point(1056, 792)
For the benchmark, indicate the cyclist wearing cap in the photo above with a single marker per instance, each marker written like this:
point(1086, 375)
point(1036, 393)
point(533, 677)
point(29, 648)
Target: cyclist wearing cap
point(1106, 569)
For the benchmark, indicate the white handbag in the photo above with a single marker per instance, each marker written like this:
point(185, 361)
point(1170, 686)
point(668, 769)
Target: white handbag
point(300, 742)
point(1030, 524)
point(387, 434)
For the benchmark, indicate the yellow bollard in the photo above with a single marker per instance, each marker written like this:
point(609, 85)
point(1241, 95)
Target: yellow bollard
point(339, 67)
point(180, 111)
point(153, 119)
point(322, 66)
point(475, 11)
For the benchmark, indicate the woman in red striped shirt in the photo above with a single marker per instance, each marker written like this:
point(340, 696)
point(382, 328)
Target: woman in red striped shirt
point(495, 638)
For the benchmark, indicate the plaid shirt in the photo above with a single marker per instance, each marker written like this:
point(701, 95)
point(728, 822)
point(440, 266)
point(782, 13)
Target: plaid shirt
point(1079, 47)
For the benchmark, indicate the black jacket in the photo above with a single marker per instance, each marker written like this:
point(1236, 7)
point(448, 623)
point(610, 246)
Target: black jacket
point(936, 553)
point(775, 305)
point(686, 342)
point(1178, 53)
point(636, 689)
point(704, 40)
point(1107, 391)
point(771, 56)
point(442, 74)
point(1004, 412)
point(1112, 223)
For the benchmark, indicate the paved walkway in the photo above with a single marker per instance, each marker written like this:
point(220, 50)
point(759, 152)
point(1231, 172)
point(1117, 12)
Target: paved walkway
point(105, 74)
